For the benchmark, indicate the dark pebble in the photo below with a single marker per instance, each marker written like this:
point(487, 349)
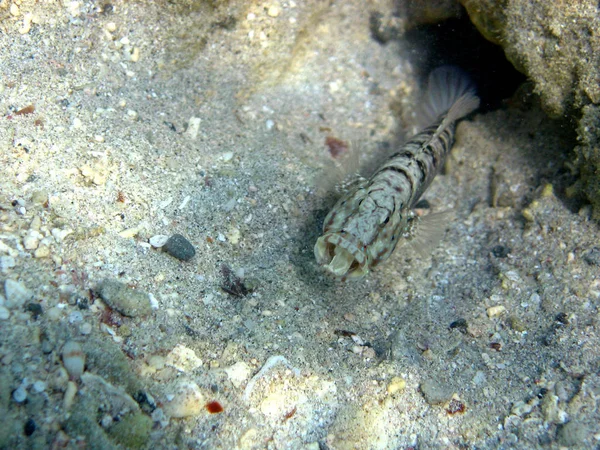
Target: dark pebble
point(562, 318)
point(29, 427)
point(500, 251)
point(35, 309)
point(592, 257)
point(179, 247)
point(461, 324)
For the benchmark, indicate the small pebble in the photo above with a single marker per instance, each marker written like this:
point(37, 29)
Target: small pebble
point(396, 385)
point(495, 311)
point(85, 328)
point(179, 247)
point(273, 10)
point(75, 317)
point(129, 232)
point(127, 301)
point(69, 395)
point(20, 394)
point(39, 386)
point(187, 401)
point(35, 309)
point(500, 251)
point(238, 373)
point(73, 359)
point(39, 197)
point(434, 392)
point(31, 241)
point(16, 294)
point(592, 257)
point(4, 313)
point(193, 128)
point(29, 427)
point(43, 251)
point(158, 241)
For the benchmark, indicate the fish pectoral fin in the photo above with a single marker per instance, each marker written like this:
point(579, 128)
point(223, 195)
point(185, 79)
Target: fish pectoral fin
point(426, 232)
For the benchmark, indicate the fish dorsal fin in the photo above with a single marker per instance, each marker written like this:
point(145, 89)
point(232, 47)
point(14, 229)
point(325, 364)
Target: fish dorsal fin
point(450, 91)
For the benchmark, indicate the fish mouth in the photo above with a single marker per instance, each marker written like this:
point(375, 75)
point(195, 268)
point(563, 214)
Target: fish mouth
point(341, 256)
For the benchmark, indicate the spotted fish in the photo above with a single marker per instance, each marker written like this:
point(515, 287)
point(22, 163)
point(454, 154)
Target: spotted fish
point(364, 227)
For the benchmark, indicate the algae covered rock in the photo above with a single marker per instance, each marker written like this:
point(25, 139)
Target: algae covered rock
point(557, 45)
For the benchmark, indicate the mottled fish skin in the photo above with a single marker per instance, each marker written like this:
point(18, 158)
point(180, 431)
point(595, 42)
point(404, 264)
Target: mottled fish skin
point(366, 224)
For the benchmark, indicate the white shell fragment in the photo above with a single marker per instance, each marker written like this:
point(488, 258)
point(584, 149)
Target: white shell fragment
point(158, 241)
point(183, 359)
point(73, 359)
point(16, 294)
point(186, 401)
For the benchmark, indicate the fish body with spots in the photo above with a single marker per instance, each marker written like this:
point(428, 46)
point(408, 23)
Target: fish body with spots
point(367, 223)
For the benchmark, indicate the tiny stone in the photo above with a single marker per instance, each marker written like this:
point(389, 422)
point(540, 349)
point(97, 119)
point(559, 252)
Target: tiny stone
point(20, 394)
point(573, 434)
point(435, 393)
point(36, 223)
point(187, 401)
point(29, 427)
point(16, 294)
point(592, 257)
point(193, 128)
point(35, 309)
point(516, 324)
point(129, 232)
point(396, 385)
point(158, 241)
point(39, 386)
point(500, 251)
point(31, 241)
point(85, 328)
point(42, 252)
point(273, 10)
point(495, 311)
point(127, 301)
point(4, 313)
point(69, 396)
point(179, 247)
point(39, 197)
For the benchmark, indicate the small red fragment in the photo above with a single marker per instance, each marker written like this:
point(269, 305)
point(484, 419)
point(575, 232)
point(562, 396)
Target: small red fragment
point(336, 146)
point(455, 407)
point(496, 346)
point(214, 407)
point(24, 111)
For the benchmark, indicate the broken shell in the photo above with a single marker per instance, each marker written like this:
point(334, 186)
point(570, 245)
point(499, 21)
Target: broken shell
point(73, 359)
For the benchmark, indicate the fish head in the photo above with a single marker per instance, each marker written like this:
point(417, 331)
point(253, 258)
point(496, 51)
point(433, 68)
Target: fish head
point(342, 255)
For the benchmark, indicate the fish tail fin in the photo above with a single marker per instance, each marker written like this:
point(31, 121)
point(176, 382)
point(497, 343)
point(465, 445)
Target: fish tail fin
point(450, 91)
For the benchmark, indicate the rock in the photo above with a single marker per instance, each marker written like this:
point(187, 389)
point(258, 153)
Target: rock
point(435, 393)
point(183, 359)
point(592, 256)
point(158, 240)
point(555, 44)
point(238, 373)
point(16, 294)
point(122, 298)
point(187, 400)
point(179, 247)
point(573, 434)
point(132, 431)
